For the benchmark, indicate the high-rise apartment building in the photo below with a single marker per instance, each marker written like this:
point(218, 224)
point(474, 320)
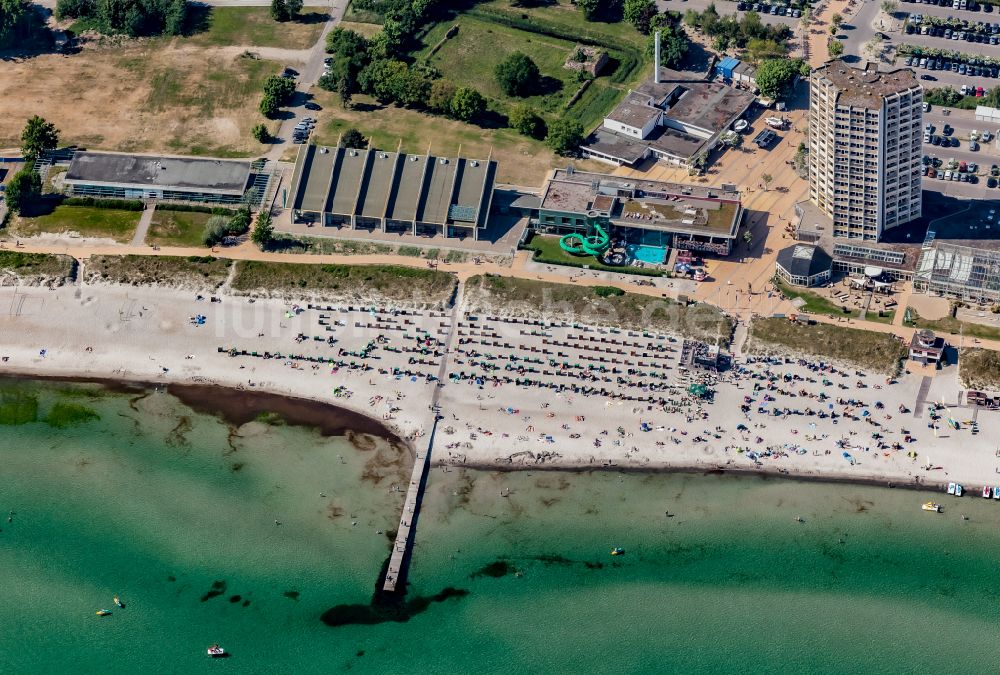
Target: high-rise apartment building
point(865, 140)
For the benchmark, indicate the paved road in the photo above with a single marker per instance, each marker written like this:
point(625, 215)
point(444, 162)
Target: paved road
point(308, 76)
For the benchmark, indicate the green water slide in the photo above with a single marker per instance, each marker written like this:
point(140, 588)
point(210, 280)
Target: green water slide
point(594, 243)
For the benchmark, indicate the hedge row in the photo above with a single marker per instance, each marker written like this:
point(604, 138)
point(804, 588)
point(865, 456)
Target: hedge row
point(197, 208)
point(637, 271)
point(101, 203)
point(631, 56)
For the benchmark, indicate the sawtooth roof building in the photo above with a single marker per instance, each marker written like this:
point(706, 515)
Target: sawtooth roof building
point(393, 192)
point(195, 179)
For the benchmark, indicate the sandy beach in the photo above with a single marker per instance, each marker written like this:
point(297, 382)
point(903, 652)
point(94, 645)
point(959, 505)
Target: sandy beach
point(514, 393)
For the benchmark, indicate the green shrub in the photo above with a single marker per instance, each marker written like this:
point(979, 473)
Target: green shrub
point(102, 203)
point(607, 291)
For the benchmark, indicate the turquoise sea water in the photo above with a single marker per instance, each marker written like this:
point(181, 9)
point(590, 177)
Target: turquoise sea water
point(175, 511)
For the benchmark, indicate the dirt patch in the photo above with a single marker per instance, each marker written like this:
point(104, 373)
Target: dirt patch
point(145, 95)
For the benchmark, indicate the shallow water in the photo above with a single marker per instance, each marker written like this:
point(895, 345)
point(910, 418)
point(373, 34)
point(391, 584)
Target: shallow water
point(175, 511)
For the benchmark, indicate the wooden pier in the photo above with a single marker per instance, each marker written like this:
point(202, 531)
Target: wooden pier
point(402, 548)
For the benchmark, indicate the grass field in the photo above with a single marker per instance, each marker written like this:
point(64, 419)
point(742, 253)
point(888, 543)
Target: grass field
point(361, 16)
point(568, 302)
point(523, 161)
point(876, 351)
point(548, 251)
point(141, 270)
point(813, 303)
point(254, 27)
point(954, 326)
point(177, 228)
point(979, 369)
point(84, 220)
point(470, 57)
point(386, 282)
point(140, 96)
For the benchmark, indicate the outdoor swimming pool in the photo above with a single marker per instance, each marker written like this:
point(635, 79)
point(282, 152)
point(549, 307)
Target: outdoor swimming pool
point(654, 255)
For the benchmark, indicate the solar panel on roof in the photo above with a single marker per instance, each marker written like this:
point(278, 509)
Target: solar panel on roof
point(465, 213)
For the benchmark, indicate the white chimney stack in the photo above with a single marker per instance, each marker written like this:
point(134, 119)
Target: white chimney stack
point(656, 58)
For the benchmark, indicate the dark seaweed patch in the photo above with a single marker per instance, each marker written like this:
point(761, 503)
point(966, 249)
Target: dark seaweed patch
point(246, 603)
point(218, 588)
point(495, 569)
point(371, 615)
point(293, 595)
point(171, 578)
point(593, 566)
point(360, 652)
point(236, 466)
point(64, 415)
point(235, 598)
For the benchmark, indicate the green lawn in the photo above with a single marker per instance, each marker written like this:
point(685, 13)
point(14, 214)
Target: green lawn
point(470, 57)
point(254, 27)
point(548, 251)
point(814, 304)
point(36, 265)
point(177, 228)
point(85, 220)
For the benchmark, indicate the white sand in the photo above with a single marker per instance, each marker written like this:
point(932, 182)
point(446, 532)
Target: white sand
point(145, 334)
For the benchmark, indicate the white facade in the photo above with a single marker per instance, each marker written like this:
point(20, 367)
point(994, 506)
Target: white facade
point(629, 130)
point(865, 145)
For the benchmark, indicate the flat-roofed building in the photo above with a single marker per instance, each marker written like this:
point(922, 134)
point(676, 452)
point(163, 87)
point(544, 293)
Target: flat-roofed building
point(865, 148)
point(375, 190)
point(195, 179)
point(642, 212)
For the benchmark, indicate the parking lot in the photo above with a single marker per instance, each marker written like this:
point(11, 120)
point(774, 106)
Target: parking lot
point(724, 8)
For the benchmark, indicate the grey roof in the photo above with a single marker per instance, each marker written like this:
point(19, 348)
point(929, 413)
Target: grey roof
point(379, 184)
point(406, 191)
point(347, 181)
point(437, 194)
point(184, 174)
point(803, 260)
point(635, 111)
point(868, 87)
point(375, 192)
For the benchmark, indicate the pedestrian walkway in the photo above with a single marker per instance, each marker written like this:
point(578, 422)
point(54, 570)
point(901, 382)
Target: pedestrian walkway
point(139, 238)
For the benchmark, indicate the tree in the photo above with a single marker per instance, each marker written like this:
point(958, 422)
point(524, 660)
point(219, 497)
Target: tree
point(774, 76)
point(639, 13)
point(280, 87)
point(526, 121)
point(673, 45)
point(467, 104)
point(440, 96)
point(345, 89)
point(517, 75)
point(352, 138)
point(805, 19)
point(294, 8)
point(38, 136)
point(279, 10)
point(24, 187)
point(263, 230)
point(766, 179)
point(835, 48)
point(758, 50)
point(600, 10)
point(836, 21)
point(260, 133)
point(889, 7)
point(215, 230)
point(564, 136)
point(269, 107)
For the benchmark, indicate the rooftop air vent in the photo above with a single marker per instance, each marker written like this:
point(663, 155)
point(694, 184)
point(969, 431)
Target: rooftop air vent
point(444, 160)
point(475, 163)
point(413, 158)
point(354, 153)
